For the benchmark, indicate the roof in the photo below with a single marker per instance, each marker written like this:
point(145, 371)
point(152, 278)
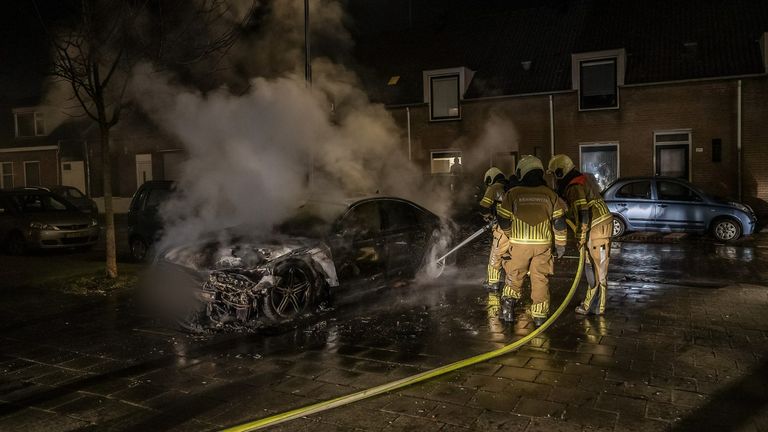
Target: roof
point(664, 41)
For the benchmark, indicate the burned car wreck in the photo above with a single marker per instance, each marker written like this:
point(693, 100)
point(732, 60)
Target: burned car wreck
point(325, 252)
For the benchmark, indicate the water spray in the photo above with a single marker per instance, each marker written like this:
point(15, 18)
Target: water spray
point(436, 267)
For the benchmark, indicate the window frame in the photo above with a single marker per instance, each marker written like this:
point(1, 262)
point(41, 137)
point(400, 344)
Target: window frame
point(36, 115)
point(432, 116)
point(3, 174)
point(591, 145)
point(615, 62)
point(620, 55)
point(673, 144)
point(464, 78)
point(457, 153)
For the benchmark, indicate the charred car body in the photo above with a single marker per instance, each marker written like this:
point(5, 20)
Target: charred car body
point(327, 250)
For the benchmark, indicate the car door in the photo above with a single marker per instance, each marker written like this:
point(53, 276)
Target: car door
point(359, 249)
point(678, 207)
point(634, 202)
point(405, 237)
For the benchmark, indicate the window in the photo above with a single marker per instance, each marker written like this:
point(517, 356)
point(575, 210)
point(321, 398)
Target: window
point(598, 88)
point(363, 220)
point(29, 124)
point(597, 76)
point(446, 162)
point(443, 91)
point(672, 154)
point(32, 173)
point(602, 161)
point(6, 175)
point(398, 216)
point(676, 192)
point(635, 190)
point(444, 97)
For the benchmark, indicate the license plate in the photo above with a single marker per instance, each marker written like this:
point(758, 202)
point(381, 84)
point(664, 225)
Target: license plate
point(74, 235)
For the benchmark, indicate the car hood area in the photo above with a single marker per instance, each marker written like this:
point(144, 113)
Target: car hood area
point(236, 253)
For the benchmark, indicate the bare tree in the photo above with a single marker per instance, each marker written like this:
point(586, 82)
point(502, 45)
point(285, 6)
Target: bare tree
point(95, 51)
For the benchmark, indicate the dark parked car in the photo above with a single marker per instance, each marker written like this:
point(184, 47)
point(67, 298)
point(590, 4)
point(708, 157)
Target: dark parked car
point(326, 249)
point(144, 223)
point(33, 218)
point(77, 198)
point(673, 205)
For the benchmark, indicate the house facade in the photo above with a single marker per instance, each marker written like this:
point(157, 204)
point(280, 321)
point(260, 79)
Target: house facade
point(620, 92)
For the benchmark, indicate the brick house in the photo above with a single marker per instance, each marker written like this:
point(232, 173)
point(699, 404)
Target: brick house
point(39, 147)
point(628, 88)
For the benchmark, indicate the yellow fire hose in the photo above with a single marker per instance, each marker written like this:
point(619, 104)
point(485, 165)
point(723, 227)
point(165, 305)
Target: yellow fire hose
point(394, 385)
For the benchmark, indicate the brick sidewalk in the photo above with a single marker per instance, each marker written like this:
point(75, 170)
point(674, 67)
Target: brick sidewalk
point(683, 347)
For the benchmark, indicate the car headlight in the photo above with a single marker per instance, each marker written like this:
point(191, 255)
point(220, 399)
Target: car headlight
point(42, 226)
point(94, 222)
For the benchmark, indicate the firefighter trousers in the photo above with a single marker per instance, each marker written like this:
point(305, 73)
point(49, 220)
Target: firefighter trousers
point(536, 259)
point(596, 268)
point(499, 247)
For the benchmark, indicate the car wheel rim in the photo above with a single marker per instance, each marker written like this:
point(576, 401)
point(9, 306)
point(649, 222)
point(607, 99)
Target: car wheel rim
point(726, 230)
point(616, 227)
point(290, 297)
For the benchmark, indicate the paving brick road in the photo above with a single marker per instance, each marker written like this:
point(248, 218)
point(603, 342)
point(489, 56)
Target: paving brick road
point(682, 347)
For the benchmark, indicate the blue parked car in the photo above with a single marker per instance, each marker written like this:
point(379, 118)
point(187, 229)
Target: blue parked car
point(673, 205)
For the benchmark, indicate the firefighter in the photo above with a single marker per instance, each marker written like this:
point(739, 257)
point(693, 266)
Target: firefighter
point(531, 214)
point(495, 186)
point(592, 225)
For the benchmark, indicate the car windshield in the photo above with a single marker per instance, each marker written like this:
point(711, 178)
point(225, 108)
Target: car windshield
point(313, 219)
point(39, 203)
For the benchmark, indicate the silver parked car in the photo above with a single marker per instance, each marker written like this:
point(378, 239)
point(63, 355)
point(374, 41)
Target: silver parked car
point(38, 219)
point(673, 205)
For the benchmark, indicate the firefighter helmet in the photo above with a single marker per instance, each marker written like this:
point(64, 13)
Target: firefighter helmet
point(527, 164)
point(560, 165)
point(491, 175)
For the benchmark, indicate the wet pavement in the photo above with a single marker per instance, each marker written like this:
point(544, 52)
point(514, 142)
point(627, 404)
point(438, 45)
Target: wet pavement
point(682, 347)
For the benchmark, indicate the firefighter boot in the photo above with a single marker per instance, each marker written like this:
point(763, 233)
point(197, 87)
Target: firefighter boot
point(491, 287)
point(507, 310)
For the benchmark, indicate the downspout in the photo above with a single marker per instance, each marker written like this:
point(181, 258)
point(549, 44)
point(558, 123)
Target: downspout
point(58, 162)
point(738, 141)
point(551, 125)
point(408, 126)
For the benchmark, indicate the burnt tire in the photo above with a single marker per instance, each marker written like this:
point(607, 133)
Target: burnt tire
point(138, 249)
point(619, 227)
point(726, 229)
point(15, 244)
point(292, 294)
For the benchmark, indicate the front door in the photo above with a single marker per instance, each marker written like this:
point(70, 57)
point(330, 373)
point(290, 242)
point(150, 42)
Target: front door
point(405, 239)
point(143, 169)
point(32, 173)
point(672, 161)
point(73, 174)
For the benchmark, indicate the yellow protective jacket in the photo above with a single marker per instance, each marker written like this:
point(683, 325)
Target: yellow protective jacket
point(586, 207)
point(532, 215)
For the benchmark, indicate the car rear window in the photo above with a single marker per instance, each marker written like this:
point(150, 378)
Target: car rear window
point(637, 190)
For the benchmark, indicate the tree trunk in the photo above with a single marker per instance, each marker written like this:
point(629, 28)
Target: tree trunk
point(109, 213)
